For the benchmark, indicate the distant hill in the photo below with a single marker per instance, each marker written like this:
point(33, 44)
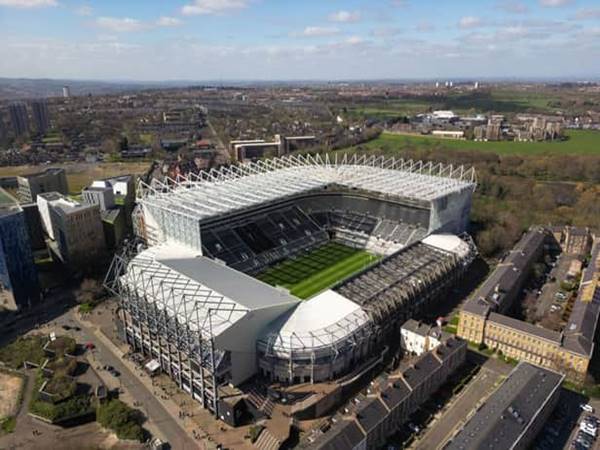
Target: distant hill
point(16, 88)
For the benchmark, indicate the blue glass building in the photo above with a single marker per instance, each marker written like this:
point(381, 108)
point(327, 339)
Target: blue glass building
point(19, 286)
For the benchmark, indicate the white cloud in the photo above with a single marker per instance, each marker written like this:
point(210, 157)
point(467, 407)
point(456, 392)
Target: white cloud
point(28, 3)
point(554, 3)
point(84, 10)
point(319, 31)
point(200, 7)
point(345, 16)
point(354, 40)
point(120, 24)
point(165, 21)
point(469, 22)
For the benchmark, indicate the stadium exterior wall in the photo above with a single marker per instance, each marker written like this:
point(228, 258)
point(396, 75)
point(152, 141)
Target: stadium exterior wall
point(240, 340)
point(450, 214)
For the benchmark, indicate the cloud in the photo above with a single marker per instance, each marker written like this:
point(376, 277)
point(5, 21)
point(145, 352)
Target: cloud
point(469, 22)
point(554, 3)
point(319, 31)
point(204, 7)
point(165, 21)
point(513, 7)
point(424, 27)
point(28, 3)
point(354, 40)
point(120, 24)
point(84, 10)
point(345, 16)
point(383, 32)
point(588, 13)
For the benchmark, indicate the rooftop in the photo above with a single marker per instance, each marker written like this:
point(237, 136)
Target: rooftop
point(506, 415)
point(206, 295)
point(229, 189)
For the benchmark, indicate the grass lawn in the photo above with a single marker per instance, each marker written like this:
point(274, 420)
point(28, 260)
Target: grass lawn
point(81, 174)
point(309, 274)
point(579, 142)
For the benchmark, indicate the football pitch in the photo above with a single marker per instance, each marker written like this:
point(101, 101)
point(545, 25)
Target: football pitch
point(310, 273)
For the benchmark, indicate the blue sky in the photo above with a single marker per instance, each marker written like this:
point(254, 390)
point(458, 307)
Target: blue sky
point(302, 39)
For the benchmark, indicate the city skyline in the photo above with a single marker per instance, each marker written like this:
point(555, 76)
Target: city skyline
point(268, 40)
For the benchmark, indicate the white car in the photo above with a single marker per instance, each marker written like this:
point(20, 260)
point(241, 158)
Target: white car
point(587, 407)
point(590, 431)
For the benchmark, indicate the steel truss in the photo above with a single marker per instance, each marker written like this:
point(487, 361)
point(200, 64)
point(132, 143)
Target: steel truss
point(171, 318)
point(227, 189)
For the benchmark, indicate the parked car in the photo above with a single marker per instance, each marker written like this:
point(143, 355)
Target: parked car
point(587, 407)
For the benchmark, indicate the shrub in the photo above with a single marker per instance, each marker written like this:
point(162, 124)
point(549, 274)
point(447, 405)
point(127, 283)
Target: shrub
point(120, 418)
point(61, 387)
point(24, 349)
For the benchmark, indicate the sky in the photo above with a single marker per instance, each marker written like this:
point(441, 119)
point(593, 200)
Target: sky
point(156, 40)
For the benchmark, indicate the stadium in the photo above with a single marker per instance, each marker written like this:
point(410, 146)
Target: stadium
point(297, 269)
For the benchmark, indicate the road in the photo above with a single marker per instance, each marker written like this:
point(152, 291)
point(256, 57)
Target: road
point(172, 431)
point(479, 388)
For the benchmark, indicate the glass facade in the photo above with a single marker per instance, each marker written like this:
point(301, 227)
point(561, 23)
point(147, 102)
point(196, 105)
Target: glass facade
point(19, 286)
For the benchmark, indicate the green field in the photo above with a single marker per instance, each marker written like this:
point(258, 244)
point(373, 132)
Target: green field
point(311, 273)
point(578, 142)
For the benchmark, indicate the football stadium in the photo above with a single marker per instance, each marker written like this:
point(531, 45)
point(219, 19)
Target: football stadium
point(298, 269)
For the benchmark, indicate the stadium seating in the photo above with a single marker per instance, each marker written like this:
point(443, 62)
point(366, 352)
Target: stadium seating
point(253, 242)
point(401, 283)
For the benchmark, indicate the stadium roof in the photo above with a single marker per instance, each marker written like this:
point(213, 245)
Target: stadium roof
point(224, 190)
point(323, 321)
point(206, 296)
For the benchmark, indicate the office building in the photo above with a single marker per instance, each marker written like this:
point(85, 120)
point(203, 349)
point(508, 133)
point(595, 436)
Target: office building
point(66, 91)
point(41, 118)
point(49, 180)
point(103, 196)
point(19, 287)
point(514, 414)
point(34, 226)
point(19, 118)
point(74, 229)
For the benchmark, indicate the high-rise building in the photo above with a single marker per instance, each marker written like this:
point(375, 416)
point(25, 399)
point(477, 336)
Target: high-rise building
point(49, 180)
point(75, 229)
point(41, 118)
point(19, 286)
point(19, 118)
point(66, 92)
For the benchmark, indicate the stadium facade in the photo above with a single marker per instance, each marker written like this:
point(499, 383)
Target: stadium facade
point(190, 299)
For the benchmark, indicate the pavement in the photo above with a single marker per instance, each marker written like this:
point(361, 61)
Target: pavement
point(167, 427)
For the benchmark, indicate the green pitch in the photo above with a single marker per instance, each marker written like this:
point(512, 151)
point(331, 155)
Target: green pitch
point(312, 272)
